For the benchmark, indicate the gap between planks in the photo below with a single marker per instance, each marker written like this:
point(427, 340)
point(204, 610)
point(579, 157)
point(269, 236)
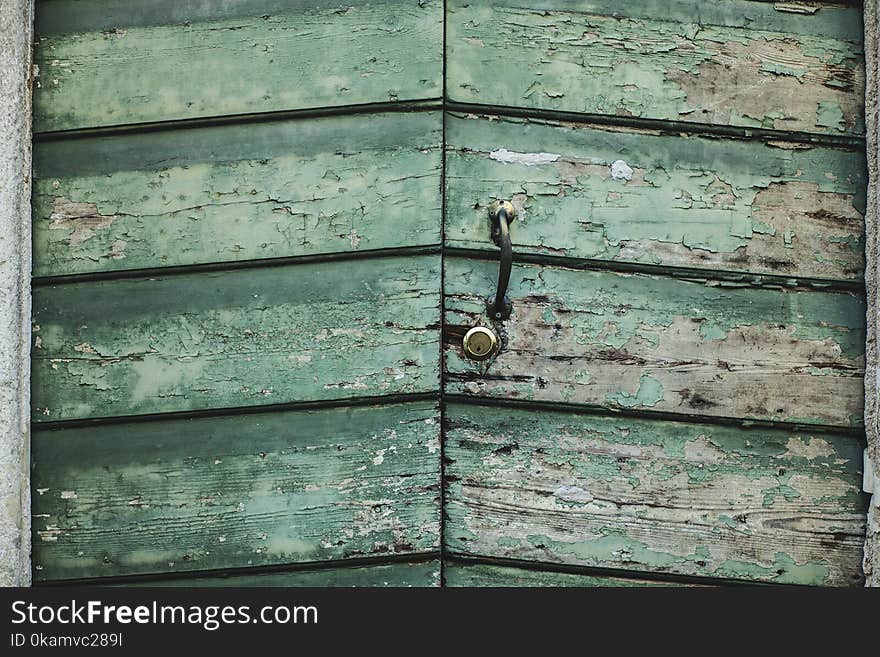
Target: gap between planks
point(154, 272)
point(663, 416)
point(463, 560)
point(310, 567)
point(660, 125)
point(444, 104)
point(741, 279)
point(322, 404)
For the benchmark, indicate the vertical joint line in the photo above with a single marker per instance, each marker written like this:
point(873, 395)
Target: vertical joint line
point(443, 306)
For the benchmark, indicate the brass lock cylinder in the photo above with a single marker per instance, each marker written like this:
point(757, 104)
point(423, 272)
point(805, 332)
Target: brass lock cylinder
point(480, 343)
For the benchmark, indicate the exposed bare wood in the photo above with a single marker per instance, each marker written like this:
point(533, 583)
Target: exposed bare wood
point(654, 496)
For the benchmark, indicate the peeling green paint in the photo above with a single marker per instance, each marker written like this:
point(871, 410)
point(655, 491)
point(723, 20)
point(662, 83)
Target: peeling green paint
point(787, 492)
point(783, 570)
point(729, 62)
point(623, 493)
point(711, 332)
point(235, 491)
point(697, 202)
point(164, 63)
point(650, 392)
point(237, 192)
point(830, 115)
point(229, 339)
point(655, 342)
point(612, 549)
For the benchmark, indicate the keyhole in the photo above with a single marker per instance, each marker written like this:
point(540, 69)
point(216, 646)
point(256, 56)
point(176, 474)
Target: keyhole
point(480, 343)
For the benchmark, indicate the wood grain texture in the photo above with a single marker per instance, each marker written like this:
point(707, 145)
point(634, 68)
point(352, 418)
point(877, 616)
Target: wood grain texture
point(656, 343)
point(235, 491)
point(661, 199)
point(408, 575)
point(654, 496)
point(237, 338)
point(473, 575)
point(237, 192)
point(104, 63)
point(786, 66)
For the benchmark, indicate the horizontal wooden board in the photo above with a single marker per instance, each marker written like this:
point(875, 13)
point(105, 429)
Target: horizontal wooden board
point(662, 199)
point(235, 491)
point(420, 574)
point(249, 337)
point(237, 192)
point(471, 575)
point(656, 343)
point(785, 66)
point(663, 497)
point(104, 62)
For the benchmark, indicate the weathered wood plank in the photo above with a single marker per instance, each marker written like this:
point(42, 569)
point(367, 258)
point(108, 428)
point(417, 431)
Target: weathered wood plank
point(660, 199)
point(409, 575)
point(236, 338)
point(635, 341)
point(728, 62)
point(237, 192)
point(654, 496)
point(460, 574)
point(234, 491)
point(102, 63)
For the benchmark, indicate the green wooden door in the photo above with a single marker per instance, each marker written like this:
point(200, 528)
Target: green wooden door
point(236, 295)
point(261, 232)
point(680, 397)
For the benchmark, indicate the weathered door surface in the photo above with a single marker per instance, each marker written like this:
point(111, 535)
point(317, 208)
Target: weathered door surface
point(681, 391)
point(237, 320)
point(261, 233)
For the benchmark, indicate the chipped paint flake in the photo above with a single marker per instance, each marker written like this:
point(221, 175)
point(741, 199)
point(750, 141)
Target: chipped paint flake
point(620, 170)
point(796, 7)
point(50, 534)
point(810, 449)
point(650, 393)
point(526, 159)
point(117, 250)
point(830, 115)
point(81, 219)
point(573, 494)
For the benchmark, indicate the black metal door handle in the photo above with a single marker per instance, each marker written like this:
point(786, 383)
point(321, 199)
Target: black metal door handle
point(501, 214)
point(482, 343)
